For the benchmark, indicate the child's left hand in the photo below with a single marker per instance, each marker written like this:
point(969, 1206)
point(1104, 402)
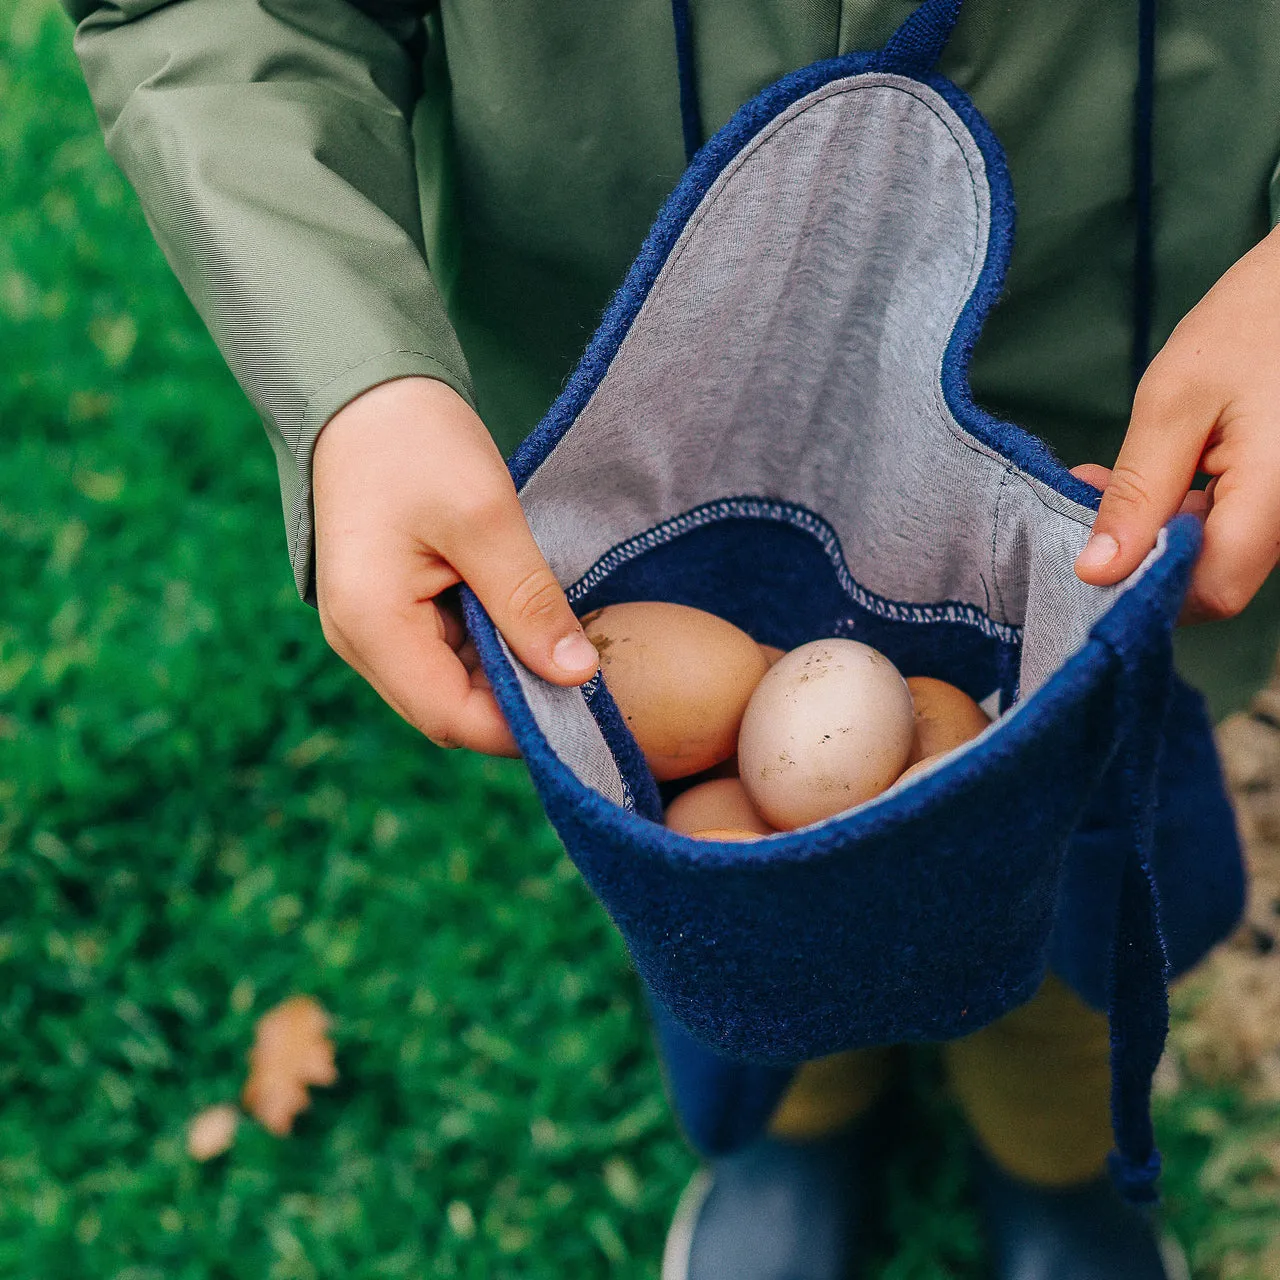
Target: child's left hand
point(1209, 401)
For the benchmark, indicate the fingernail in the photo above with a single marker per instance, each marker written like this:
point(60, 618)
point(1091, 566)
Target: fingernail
point(1099, 551)
point(575, 653)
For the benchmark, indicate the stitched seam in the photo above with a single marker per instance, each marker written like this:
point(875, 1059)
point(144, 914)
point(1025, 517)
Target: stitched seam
point(995, 538)
point(800, 518)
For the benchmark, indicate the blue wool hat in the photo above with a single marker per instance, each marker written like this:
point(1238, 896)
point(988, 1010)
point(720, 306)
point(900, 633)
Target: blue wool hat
point(774, 423)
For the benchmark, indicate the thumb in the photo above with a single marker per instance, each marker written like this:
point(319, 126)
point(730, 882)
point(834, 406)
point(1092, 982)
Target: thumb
point(500, 561)
point(1150, 479)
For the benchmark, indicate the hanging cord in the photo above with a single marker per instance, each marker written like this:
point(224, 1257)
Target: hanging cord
point(1143, 181)
point(690, 112)
point(1137, 997)
point(915, 47)
point(1139, 1007)
point(912, 50)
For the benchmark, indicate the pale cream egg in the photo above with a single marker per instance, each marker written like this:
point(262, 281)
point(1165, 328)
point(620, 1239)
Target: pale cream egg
point(829, 726)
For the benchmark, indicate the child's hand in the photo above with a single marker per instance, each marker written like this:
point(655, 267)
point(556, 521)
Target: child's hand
point(1210, 401)
point(411, 498)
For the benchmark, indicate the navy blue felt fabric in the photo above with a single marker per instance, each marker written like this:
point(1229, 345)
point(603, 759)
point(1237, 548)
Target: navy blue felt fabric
point(920, 918)
point(775, 571)
point(1195, 859)
point(940, 907)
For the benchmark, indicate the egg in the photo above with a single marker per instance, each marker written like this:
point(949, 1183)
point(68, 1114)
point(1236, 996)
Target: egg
point(919, 767)
point(945, 717)
point(828, 727)
point(681, 678)
point(724, 833)
point(771, 652)
point(720, 803)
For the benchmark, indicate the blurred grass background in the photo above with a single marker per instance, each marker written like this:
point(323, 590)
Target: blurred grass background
point(202, 812)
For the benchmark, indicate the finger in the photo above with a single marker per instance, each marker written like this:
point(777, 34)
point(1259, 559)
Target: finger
point(1173, 416)
point(1241, 541)
point(1092, 473)
point(495, 740)
point(465, 648)
point(1196, 503)
point(499, 559)
point(450, 606)
point(432, 689)
point(405, 655)
point(470, 658)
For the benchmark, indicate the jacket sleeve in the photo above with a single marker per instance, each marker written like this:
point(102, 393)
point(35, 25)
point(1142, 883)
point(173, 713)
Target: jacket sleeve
point(269, 142)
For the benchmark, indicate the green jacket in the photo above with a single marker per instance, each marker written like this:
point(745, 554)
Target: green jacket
point(301, 162)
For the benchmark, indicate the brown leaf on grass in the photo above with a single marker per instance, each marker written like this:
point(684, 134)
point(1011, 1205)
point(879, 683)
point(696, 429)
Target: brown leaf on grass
point(291, 1050)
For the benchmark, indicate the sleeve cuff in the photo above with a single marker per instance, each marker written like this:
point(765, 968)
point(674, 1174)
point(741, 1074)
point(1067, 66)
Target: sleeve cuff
point(295, 468)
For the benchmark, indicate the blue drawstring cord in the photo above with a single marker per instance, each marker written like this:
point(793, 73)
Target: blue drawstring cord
point(912, 50)
point(915, 47)
point(1137, 986)
point(1139, 996)
point(690, 112)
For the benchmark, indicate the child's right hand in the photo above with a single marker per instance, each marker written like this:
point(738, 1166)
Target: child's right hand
point(411, 498)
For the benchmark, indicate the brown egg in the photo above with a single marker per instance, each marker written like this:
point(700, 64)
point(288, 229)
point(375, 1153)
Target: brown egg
point(945, 717)
point(725, 833)
point(828, 727)
point(771, 653)
point(681, 678)
point(721, 803)
point(920, 766)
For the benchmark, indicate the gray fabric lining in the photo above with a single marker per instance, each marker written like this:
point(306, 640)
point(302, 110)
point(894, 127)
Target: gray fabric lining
point(791, 349)
point(565, 718)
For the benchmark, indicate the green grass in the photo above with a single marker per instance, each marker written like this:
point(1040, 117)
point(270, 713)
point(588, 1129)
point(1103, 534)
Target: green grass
point(202, 811)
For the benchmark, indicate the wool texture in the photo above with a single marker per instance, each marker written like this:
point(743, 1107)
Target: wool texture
point(774, 423)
